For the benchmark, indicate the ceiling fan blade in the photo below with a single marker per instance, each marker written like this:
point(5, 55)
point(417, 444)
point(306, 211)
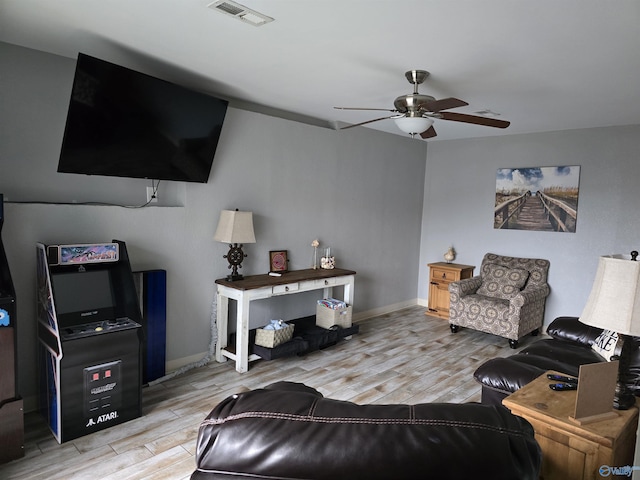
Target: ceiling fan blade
point(358, 108)
point(429, 133)
point(368, 121)
point(463, 117)
point(444, 104)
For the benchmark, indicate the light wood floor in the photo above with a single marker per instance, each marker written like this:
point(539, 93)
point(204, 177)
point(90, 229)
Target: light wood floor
point(403, 357)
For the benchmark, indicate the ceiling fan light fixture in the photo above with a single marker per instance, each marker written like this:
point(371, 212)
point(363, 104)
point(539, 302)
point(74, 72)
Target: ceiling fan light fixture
point(413, 125)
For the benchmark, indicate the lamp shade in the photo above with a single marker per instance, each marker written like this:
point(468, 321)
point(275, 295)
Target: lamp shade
point(413, 125)
point(614, 302)
point(235, 227)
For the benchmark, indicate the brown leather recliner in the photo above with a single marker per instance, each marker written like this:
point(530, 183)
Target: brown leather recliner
point(569, 347)
point(290, 431)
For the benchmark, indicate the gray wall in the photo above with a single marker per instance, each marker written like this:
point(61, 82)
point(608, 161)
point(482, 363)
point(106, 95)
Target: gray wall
point(358, 191)
point(366, 194)
point(459, 199)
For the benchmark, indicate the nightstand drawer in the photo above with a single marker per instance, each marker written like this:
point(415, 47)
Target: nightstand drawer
point(444, 275)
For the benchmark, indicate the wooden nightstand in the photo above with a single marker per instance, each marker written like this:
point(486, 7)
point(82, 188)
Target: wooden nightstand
point(571, 451)
point(441, 274)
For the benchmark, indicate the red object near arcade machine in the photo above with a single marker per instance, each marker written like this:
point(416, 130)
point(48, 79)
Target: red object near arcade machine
point(11, 409)
point(90, 336)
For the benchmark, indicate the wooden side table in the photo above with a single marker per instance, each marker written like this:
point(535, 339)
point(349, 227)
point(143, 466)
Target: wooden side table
point(571, 451)
point(441, 274)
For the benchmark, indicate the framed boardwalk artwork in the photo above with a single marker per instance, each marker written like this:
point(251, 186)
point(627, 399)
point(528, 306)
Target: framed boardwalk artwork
point(537, 198)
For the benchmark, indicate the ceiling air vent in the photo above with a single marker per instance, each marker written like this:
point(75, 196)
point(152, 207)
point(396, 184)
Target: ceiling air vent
point(240, 12)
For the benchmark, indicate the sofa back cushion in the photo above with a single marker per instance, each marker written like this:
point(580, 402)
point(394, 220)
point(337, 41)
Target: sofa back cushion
point(290, 431)
point(503, 282)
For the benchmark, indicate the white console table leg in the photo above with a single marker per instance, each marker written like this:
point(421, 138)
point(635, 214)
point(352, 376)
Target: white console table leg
point(348, 291)
point(222, 321)
point(242, 335)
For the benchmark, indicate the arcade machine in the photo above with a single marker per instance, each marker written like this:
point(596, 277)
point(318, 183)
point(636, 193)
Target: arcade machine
point(90, 338)
point(11, 413)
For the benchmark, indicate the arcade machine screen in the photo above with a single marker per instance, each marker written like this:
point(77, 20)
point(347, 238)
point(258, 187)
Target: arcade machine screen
point(83, 297)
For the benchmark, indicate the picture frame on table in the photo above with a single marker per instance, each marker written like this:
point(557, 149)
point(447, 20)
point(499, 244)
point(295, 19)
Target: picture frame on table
point(278, 261)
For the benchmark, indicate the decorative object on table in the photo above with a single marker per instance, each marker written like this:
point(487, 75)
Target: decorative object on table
point(327, 261)
point(450, 255)
point(596, 389)
point(236, 229)
point(314, 263)
point(278, 261)
point(614, 304)
point(537, 198)
point(273, 334)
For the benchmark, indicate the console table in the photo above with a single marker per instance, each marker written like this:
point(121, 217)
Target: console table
point(256, 287)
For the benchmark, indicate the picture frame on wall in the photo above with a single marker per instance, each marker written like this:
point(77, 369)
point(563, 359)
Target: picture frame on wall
point(278, 261)
point(537, 198)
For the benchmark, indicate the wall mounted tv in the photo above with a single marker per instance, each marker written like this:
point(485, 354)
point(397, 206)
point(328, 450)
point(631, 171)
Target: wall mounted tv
point(128, 124)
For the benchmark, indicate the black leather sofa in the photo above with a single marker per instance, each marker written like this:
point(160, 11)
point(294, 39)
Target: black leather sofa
point(569, 347)
point(290, 431)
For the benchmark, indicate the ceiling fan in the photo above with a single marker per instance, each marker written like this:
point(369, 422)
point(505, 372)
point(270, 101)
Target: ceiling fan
point(414, 113)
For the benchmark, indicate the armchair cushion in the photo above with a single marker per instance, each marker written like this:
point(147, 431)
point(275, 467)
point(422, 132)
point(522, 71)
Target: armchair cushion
point(503, 282)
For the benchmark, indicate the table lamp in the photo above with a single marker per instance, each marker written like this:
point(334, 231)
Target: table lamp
point(235, 228)
point(614, 304)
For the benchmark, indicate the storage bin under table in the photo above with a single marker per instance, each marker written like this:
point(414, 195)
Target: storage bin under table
point(328, 317)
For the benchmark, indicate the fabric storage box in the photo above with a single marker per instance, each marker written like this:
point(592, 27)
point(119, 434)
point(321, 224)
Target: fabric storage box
point(328, 317)
point(273, 338)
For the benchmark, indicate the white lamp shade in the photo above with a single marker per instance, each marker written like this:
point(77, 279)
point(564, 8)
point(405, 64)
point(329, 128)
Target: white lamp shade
point(413, 125)
point(614, 302)
point(235, 227)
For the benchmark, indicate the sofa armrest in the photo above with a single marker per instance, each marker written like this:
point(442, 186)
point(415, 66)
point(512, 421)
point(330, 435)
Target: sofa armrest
point(530, 295)
point(468, 286)
point(570, 329)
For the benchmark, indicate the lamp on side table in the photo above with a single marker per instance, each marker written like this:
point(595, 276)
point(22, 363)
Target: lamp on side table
point(614, 304)
point(235, 228)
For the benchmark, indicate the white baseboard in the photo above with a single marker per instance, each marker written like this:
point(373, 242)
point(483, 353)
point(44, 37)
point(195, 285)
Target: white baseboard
point(173, 365)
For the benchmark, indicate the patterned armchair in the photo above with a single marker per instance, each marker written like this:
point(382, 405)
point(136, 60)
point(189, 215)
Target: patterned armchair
point(507, 298)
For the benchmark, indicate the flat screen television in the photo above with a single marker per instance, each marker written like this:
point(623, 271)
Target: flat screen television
point(128, 124)
point(83, 296)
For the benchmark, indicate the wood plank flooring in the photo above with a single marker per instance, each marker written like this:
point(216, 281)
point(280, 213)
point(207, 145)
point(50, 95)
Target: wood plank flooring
point(402, 357)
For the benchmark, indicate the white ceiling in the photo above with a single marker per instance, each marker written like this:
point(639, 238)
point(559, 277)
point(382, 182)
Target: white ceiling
point(543, 65)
